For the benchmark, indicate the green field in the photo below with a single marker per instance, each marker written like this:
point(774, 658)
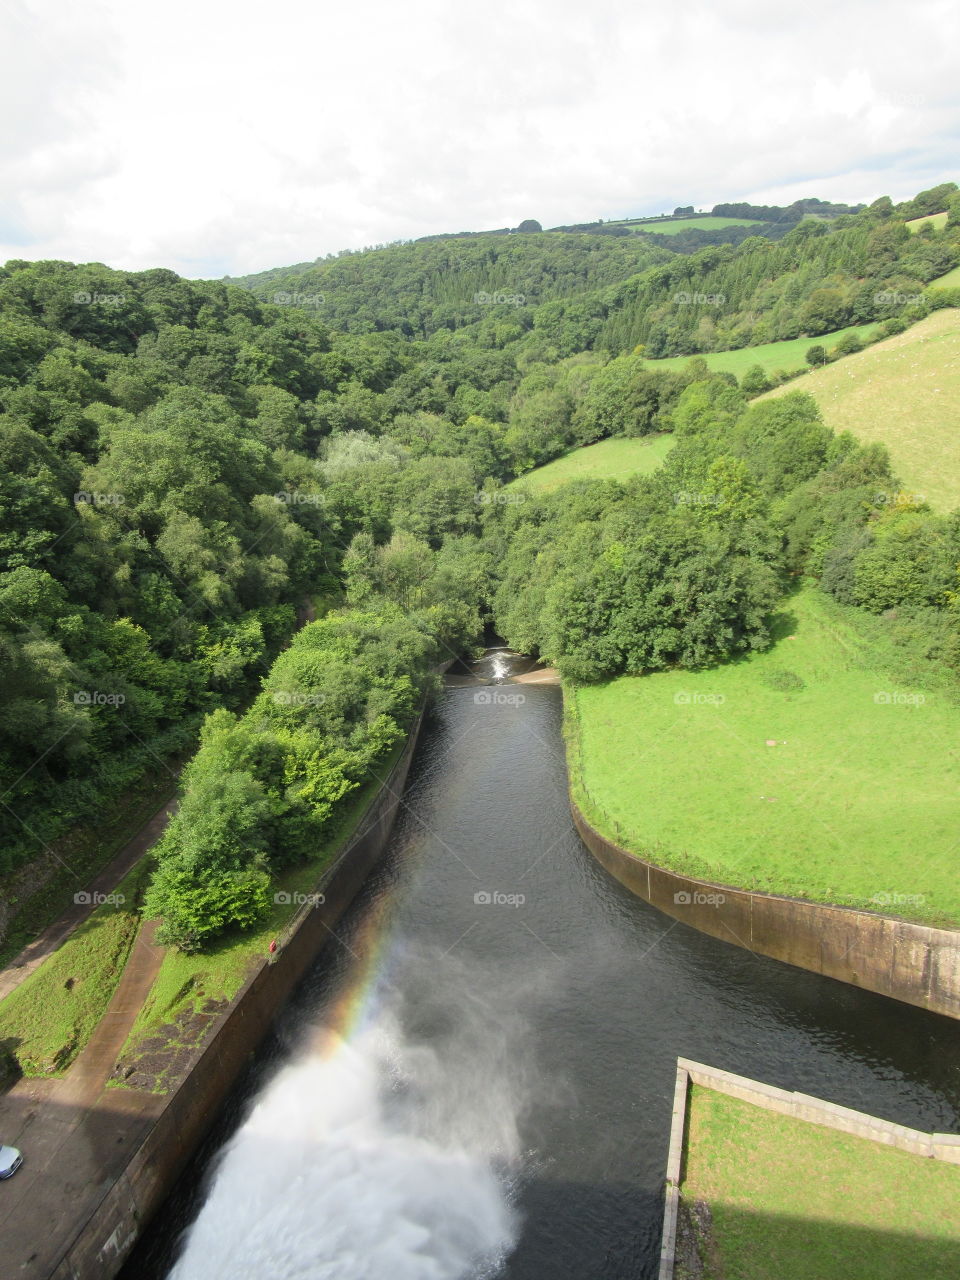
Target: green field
point(49, 1018)
point(786, 356)
point(904, 392)
point(950, 281)
point(790, 1200)
point(812, 769)
point(613, 459)
point(673, 226)
point(936, 220)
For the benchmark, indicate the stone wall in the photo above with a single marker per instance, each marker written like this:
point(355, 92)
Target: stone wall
point(104, 1240)
point(800, 1106)
point(911, 962)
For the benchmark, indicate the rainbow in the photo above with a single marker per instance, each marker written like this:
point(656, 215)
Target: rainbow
point(356, 1005)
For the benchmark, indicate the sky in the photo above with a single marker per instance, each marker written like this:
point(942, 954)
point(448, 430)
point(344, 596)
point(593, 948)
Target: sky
point(222, 137)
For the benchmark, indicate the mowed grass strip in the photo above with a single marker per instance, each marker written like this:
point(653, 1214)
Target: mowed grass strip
point(905, 393)
point(773, 357)
point(613, 459)
point(791, 1200)
point(806, 770)
point(48, 1019)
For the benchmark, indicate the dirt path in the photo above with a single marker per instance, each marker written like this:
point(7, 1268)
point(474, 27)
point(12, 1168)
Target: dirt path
point(74, 1132)
point(54, 936)
point(92, 1069)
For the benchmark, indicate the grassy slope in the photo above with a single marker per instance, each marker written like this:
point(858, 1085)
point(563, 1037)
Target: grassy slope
point(81, 853)
point(672, 226)
point(856, 799)
point(950, 281)
point(771, 356)
point(904, 392)
point(185, 982)
point(936, 220)
point(48, 1019)
point(613, 459)
point(791, 1200)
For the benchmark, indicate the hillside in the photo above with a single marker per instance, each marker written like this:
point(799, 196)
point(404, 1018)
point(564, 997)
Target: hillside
point(936, 220)
point(905, 393)
point(613, 459)
point(674, 226)
point(823, 714)
point(764, 275)
point(786, 357)
point(421, 287)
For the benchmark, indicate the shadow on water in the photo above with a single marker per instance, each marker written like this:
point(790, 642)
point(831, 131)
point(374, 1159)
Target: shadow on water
point(513, 1003)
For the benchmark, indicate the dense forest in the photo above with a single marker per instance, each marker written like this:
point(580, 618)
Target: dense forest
point(559, 293)
point(194, 468)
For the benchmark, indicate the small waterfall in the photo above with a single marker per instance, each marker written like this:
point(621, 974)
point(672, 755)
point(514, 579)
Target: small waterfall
point(499, 664)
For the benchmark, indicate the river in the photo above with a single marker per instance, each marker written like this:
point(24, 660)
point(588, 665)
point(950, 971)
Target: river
point(476, 1078)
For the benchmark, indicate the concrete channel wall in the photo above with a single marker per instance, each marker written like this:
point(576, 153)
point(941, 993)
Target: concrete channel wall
point(102, 1242)
point(799, 1106)
point(911, 962)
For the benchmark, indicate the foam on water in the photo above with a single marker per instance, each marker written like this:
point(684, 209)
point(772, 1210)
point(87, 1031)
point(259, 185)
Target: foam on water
point(390, 1154)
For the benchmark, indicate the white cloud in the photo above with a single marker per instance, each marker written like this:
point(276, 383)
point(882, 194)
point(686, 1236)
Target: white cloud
point(216, 136)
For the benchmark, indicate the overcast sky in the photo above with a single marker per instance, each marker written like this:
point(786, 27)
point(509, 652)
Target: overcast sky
point(223, 136)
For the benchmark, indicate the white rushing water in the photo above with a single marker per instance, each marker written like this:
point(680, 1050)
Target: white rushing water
point(388, 1157)
point(500, 662)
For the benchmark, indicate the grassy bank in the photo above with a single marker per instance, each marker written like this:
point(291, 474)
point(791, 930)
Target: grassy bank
point(773, 357)
point(673, 226)
point(788, 1200)
point(936, 220)
point(950, 281)
point(824, 768)
point(613, 459)
point(190, 989)
point(39, 894)
point(48, 1019)
point(905, 393)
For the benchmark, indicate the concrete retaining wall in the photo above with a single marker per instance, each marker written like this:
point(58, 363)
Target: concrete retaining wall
point(800, 1106)
point(911, 962)
point(103, 1242)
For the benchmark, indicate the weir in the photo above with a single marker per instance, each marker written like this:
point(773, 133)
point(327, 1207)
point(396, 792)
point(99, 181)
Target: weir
point(476, 1078)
